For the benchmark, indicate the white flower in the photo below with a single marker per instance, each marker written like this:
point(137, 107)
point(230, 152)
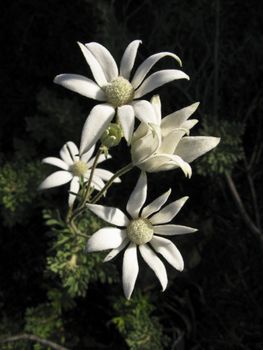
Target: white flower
point(163, 145)
point(115, 87)
point(143, 231)
point(74, 168)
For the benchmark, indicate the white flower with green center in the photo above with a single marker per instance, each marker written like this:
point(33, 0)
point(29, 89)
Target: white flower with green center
point(114, 86)
point(75, 168)
point(163, 145)
point(143, 230)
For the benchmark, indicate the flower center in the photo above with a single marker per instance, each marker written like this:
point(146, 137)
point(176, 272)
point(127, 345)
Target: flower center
point(140, 231)
point(79, 168)
point(119, 92)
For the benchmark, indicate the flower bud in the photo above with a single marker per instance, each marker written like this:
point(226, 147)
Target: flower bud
point(112, 135)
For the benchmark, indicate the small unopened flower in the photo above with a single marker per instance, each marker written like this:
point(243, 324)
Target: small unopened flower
point(143, 231)
point(115, 87)
point(75, 168)
point(165, 144)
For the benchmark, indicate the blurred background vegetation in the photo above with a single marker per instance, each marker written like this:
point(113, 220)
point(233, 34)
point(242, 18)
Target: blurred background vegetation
point(50, 289)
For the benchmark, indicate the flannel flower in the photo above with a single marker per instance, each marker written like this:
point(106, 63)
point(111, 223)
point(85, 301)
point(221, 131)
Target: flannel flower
point(162, 145)
point(74, 168)
point(143, 231)
point(114, 86)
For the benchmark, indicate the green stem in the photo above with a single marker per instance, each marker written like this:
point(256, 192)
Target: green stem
point(87, 192)
point(120, 172)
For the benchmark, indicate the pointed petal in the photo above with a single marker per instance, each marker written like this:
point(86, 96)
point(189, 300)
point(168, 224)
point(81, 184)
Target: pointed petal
point(169, 251)
point(168, 212)
point(193, 147)
point(105, 59)
point(97, 182)
point(155, 205)
point(130, 269)
point(138, 196)
point(145, 112)
point(126, 118)
point(156, 103)
point(69, 153)
point(116, 251)
point(158, 79)
point(112, 215)
point(74, 187)
point(170, 141)
point(105, 175)
point(164, 162)
point(171, 230)
point(81, 85)
point(145, 67)
point(85, 157)
point(155, 264)
point(95, 124)
point(94, 65)
point(176, 119)
point(144, 147)
point(189, 124)
point(105, 238)
point(128, 59)
point(56, 162)
point(58, 178)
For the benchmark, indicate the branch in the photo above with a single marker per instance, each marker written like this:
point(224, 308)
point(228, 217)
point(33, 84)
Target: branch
point(32, 337)
point(250, 224)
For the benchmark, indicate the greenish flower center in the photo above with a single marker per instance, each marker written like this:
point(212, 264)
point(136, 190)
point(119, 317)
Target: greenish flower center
point(79, 168)
point(119, 92)
point(140, 231)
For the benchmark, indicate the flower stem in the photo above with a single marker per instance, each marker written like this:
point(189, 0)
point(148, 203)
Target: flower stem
point(120, 172)
point(87, 191)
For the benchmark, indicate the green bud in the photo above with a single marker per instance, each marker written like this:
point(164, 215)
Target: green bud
point(112, 135)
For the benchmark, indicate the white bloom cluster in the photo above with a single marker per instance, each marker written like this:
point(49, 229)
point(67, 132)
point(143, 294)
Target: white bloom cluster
point(158, 144)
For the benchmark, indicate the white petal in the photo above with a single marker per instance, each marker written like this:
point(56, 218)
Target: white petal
point(145, 112)
point(69, 153)
point(138, 196)
point(171, 140)
point(168, 212)
point(155, 264)
point(95, 124)
point(155, 205)
point(164, 162)
point(56, 162)
point(97, 182)
point(116, 251)
point(105, 238)
point(85, 157)
point(189, 124)
point(128, 59)
point(58, 178)
point(156, 103)
point(81, 85)
point(112, 215)
point(74, 187)
point(193, 147)
point(145, 67)
point(169, 251)
point(144, 147)
point(105, 175)
point(176, 119)
point(130, 269)
point(105, 59)
point(171, 230)
point(126, 118)
point(158, 79)
point(94, 65)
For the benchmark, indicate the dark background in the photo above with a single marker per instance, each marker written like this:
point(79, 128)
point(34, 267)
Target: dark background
point(217, 303)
